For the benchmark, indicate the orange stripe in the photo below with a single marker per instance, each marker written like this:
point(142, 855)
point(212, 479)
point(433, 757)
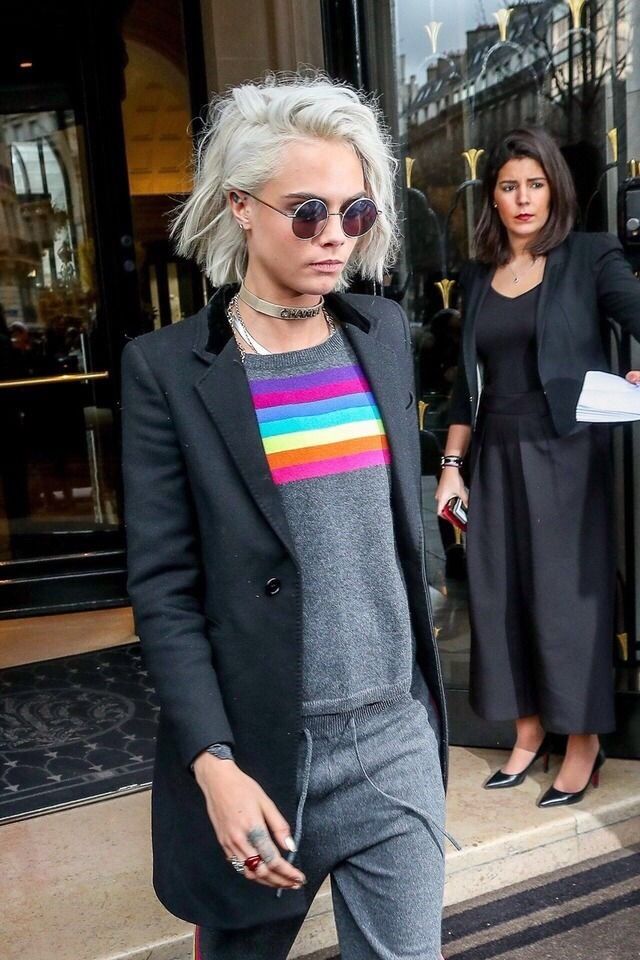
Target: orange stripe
point(327, 451)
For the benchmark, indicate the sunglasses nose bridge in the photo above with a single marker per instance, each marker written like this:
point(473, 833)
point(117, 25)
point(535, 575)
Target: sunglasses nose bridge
point(335, 235)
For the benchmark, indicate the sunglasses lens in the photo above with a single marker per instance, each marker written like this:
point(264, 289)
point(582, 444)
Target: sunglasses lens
point(309, 219)
point(359, 217)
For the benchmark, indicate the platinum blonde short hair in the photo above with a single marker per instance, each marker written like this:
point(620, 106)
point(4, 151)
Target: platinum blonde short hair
point(246, 132)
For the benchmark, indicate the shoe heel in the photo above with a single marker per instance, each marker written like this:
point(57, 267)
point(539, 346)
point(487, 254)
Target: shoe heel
point(595, 779)
point(545, 762)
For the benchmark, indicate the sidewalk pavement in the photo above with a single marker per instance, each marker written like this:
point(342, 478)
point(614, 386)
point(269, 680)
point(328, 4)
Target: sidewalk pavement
point(75, 885)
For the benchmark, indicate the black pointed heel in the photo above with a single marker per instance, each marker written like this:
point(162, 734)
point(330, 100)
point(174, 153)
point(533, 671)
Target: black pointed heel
point(500, 780)
point(559, 798)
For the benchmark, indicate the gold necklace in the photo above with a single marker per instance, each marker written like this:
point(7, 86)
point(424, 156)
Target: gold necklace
point(240, 332)
point(516, 278)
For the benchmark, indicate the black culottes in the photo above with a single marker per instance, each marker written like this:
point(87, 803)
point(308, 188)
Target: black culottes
point(541, 569)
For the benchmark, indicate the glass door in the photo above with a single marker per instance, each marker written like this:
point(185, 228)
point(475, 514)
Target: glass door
point(58, 467)
point(454, 76)
point(68, 295)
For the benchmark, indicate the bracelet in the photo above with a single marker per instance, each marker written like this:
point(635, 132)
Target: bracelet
point(449, 460)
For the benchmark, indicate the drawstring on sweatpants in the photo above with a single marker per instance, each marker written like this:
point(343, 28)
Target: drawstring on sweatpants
point(431, 824)
point(303, 799)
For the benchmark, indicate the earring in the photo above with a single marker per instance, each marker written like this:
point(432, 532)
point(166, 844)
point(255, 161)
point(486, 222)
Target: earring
point(495, 206)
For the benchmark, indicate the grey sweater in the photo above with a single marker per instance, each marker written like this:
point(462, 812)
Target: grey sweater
point(328, 453)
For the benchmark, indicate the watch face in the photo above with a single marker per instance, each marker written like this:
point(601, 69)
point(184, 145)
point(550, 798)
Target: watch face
point(221, 750)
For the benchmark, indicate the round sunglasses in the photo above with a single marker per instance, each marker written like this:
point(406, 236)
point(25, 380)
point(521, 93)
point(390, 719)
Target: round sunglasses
point(310, 218)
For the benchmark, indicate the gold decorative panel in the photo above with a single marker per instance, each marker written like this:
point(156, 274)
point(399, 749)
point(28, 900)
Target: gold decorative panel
point(433, 29)
point(445, 286)
point(472, 156)
point(576, 11)
point(503, 16)
point(408, 166)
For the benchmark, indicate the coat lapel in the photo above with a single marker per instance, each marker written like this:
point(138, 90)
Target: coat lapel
point(552, 273)
point(479, 288)
point(224, 390)
point(477, 293)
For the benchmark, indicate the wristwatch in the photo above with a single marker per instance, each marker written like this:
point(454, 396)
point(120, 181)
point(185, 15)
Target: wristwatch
point(220, 750)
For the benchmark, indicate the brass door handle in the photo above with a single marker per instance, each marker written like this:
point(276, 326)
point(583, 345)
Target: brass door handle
point(63, 378)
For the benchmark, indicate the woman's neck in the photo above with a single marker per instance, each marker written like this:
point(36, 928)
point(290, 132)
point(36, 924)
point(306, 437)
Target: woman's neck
point(278, 335)
point(519, 247)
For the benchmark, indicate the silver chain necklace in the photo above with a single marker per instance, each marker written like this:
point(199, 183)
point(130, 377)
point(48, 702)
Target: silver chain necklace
point(239, 330)
point(516, 278)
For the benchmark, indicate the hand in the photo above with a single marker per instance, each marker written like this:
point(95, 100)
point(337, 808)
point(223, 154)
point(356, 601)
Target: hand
point(451, 485)
point(633, 376)
point(246, 822)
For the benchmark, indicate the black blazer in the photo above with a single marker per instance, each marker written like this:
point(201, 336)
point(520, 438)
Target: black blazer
point(586, 281)
point(206, 532)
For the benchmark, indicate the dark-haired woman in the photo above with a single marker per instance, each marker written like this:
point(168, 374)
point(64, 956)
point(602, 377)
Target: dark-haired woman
point(540, 545)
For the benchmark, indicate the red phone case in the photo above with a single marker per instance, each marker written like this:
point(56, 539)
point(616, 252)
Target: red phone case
point(449, 515)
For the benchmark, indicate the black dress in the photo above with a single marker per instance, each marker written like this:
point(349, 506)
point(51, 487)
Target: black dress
point(540, 542)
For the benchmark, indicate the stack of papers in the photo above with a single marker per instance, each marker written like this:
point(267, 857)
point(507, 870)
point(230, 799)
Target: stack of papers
point(606, 398)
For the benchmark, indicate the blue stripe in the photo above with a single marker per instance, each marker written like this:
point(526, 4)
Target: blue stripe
point(334, 419)
point(313, 407)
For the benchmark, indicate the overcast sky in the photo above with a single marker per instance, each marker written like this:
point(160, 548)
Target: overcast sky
point(456, 16)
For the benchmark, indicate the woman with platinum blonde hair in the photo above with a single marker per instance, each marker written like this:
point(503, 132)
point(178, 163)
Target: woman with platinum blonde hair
point(276, 569)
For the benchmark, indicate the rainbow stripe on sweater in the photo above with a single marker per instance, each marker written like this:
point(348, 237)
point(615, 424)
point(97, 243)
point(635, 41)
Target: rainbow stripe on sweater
point(319, 424)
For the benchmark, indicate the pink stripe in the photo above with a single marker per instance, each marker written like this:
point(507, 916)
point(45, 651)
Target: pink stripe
point(324, 468)
point(311, 393)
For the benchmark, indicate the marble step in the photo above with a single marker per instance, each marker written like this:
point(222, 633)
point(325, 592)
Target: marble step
point(75, 885)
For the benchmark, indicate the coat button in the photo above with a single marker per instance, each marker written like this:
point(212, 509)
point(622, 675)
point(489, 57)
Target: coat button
point(272, 586)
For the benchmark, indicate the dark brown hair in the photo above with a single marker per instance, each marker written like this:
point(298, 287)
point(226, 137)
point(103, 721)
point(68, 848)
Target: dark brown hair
point(492, 244)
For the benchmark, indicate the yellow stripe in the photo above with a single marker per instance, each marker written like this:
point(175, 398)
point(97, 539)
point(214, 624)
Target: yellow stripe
point(313, 438)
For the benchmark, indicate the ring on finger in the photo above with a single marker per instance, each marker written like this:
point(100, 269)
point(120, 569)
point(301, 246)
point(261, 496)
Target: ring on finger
point(237, 864)
point(253, 862)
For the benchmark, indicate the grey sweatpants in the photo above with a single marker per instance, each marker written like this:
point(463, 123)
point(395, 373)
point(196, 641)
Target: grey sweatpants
point(372, 819)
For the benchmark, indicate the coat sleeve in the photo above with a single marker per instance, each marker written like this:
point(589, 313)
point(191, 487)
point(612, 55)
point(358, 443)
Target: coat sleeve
point(408, 349)
point(165, 576)
point(617, 288)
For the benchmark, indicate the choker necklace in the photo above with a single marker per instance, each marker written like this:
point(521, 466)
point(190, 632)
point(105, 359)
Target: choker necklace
point(240, 331)
point(275, 310)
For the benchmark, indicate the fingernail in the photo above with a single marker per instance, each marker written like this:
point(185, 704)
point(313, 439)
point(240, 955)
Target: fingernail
point(290, 845)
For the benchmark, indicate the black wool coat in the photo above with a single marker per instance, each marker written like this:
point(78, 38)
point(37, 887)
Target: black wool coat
point(215, 584)
point(586, 281)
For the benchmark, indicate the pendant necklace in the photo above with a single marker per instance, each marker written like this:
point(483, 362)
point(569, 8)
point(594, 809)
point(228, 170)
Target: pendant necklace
point(516, 278)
